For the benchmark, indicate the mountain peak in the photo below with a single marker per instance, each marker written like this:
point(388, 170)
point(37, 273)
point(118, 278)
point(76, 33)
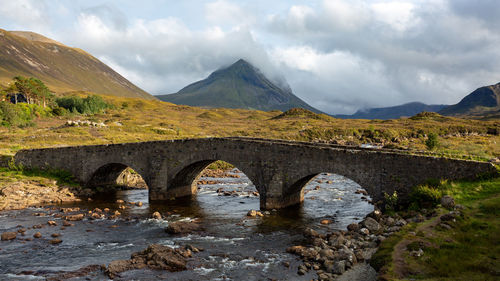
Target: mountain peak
point(240, 85)
point(482, 101)
point(241, 62)
point(240, 65)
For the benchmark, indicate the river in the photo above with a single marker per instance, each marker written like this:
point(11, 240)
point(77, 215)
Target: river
point(236, 247)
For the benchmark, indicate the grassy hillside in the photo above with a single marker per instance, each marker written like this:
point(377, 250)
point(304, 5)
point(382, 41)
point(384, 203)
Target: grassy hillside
point(238, 86)
point(482, 103)
point(62, 68)
point(133, 120)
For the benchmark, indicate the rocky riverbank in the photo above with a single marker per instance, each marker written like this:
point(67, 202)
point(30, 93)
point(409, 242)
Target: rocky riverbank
point(348, 252)
point(25, 193)
point(19, 191)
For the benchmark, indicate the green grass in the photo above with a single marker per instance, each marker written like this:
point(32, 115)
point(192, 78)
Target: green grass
point(469, 251)
point(13, 174)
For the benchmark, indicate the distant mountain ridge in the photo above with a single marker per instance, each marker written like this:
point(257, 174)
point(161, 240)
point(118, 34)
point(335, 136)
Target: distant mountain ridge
point(483, 102)
point(60, 67)
point(240, 85)
point(393, 112)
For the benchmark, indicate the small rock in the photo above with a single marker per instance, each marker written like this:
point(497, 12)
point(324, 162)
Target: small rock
point(311, 232)
point(77, 217)
point(119, 201)
point(156, 215)
point(55, 241)
point(252, 213)
point(295, 249)
point(8, 236)
point(447, 217)
point(117, 213)
point(447, 202)
point(371, 224)
point(364, 231)
point(96, 216)
point(52, 223)
point(400, 222)
point(67, 223)
point(353, 227)
point(394, 229)
point(338, 267)
point(325, 221)
point(138, 204)
point(376, 214)
point(37, 235)
point(259, 214)
point(326, 254)
point(22, 230)
point(418, 253)
point(445, 226)
point(55, 235)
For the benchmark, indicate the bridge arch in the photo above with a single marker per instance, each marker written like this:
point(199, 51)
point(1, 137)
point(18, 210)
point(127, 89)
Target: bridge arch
point(292, 193)
point(184, 182)
point(107, 174)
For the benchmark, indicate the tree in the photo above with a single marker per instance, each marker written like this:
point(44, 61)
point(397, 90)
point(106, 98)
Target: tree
point(33, 89)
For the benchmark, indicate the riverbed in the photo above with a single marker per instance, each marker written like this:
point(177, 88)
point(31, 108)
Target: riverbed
point(236, 247)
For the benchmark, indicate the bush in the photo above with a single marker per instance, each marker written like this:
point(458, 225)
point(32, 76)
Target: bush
point(391, 201)
point(89, 105)
point(59, 111)
point(432, 141)
point(425, 196)
point(21, 114)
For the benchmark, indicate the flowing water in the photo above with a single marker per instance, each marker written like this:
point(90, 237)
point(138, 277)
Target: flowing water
point(236, 247)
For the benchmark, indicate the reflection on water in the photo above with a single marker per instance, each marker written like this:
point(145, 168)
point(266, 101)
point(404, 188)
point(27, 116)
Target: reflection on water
point(236, 247)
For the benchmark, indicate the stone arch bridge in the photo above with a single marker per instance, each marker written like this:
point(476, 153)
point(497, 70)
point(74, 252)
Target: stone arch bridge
point(278, 169)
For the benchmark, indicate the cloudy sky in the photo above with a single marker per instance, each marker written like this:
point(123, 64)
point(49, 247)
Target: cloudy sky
point(337, 55)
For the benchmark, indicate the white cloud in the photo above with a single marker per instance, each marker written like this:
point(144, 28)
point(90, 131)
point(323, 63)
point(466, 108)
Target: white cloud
point(346, 15)
point(24, 13)
point(226, 13)
point(399, 15)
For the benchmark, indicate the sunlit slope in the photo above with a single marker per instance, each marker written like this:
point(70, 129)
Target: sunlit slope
point(62, 68)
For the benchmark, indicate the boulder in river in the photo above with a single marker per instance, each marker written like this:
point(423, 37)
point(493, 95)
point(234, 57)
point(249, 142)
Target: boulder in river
point(9, 236)
point(55, 241)
point(182, 227)
point(37, 235)
point(156, 215)
point(156, 256)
